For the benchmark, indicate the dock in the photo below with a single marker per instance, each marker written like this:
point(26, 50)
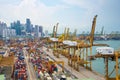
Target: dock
point(83, 74)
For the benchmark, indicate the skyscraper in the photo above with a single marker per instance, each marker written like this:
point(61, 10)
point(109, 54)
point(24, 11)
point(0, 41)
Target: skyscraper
point(9, 33)
point(38, 31)
point(17, 27)
point(46, 33)
point(28, 26)
point(2, 27)
point(41, 30)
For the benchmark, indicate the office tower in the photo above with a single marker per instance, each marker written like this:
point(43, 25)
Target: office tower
point(2, 27)
point(17, 26)
point(28, 26)
point(38, 31)
point(9, 33)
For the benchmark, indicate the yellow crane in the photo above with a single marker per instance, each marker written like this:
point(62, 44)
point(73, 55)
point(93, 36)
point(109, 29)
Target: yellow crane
point(113, 57)
point(62, 37)
point(54, 34)
point(82, 48)
point(57, 62)
point(74, 60)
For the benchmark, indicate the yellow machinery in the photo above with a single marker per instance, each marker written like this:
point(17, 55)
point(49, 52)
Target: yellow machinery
point(79, 53)
point(83, 47)
point(61, 49)
point(113, 57)
point(117, 55)
point(53, 44)
point(54, 34)
point(56, 62)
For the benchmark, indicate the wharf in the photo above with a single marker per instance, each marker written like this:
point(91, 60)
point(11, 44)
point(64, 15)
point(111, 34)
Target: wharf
point(83, 74)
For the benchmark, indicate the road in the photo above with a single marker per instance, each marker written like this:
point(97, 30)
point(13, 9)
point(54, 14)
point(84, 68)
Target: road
point(31, 72)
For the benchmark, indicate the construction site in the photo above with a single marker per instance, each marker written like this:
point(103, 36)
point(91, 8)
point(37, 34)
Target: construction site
point(63, 57)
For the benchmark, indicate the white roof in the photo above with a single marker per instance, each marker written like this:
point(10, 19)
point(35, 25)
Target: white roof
point(54, 39)
point(105, 50)
point(70, 43)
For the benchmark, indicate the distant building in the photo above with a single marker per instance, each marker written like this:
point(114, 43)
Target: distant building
point(18, 29)
point(9, 33)
point(41, 29)
point(29, 26)
point(46, 33)
point(38, 31)
point(23, 29)
point(2, 26)
point(17, 26)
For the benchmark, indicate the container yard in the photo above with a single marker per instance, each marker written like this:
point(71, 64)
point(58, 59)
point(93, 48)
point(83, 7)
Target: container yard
point(61, 57)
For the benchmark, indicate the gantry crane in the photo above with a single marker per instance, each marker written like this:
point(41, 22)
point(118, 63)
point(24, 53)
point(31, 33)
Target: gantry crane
point(54, 41)
point(78, 54)
point(61, 49)
point(81, 46)
point(113, 57)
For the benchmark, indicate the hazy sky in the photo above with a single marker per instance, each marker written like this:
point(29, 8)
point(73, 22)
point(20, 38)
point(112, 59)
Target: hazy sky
point(75, 14)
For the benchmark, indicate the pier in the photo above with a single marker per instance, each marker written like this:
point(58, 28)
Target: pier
point(82, 74)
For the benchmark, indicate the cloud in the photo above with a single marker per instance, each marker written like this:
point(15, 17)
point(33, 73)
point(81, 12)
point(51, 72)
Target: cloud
point(90, 8)
point(78, 13)
point(38, 12)
point(86, 4)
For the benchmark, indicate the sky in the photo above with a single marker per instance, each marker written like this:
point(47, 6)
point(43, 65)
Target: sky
point(73, 14)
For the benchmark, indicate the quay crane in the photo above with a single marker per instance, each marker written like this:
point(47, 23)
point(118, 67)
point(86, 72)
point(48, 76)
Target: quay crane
point(113, 57)
point(77, 53)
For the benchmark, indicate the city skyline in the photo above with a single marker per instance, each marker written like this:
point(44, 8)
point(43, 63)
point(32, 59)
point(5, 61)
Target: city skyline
point(75, 14)
point(17, 28)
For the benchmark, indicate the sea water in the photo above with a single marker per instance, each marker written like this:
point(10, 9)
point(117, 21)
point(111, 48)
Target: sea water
point(98, 65)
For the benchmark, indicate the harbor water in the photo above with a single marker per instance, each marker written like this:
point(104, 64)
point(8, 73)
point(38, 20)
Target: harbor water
point(98, 65)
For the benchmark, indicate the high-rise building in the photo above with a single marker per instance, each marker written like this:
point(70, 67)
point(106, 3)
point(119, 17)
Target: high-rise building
point(28, 26)
point(2, 26)
point(41, 29)
point(23, 29)
point(46, 33)
point(17, 26)
point(9, 33)
point(38, 31)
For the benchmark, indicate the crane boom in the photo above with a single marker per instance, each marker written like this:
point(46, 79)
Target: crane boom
point(93, 30)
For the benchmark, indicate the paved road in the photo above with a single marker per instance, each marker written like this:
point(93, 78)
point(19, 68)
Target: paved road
point(31, 72)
